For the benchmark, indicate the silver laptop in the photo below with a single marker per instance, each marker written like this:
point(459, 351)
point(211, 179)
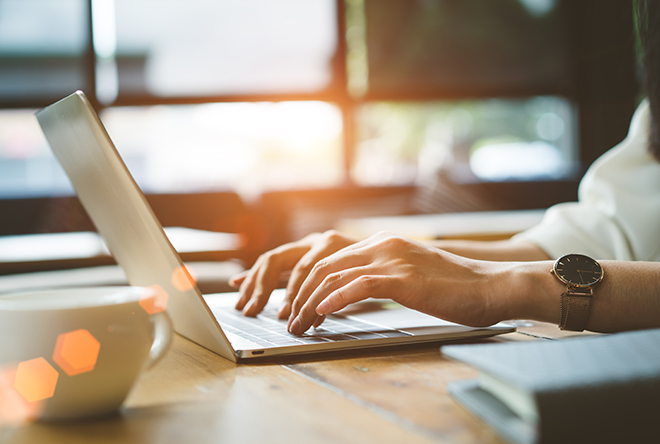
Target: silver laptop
point(138, 243)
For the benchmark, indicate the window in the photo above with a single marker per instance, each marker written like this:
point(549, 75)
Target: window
point(42, 49)
point(466, 48)
point(215, 48)
point(193, 97)
point(27, 166)
point(246, 146)
point(418, 62)
point(477, 140)
point(262, 94)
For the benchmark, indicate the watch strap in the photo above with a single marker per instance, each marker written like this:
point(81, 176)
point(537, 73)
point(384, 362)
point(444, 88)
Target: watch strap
point(575, 309)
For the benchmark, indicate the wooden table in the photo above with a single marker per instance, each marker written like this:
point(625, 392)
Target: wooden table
point(194, 396)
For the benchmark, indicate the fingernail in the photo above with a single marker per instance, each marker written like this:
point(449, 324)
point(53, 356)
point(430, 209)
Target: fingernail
point(249, 305)
point(292, 316)
point(295, 326)
point(282, 312)
point(323, 308)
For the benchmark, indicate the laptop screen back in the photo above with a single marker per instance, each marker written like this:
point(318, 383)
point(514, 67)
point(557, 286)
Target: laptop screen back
point(122, 215)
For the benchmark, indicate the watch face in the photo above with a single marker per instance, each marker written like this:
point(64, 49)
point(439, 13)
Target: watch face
point(578, 270)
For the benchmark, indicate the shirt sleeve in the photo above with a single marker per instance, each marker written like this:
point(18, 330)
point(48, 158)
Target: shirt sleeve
point(617, 215)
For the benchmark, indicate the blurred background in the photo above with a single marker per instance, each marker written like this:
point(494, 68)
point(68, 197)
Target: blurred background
point(276, 118)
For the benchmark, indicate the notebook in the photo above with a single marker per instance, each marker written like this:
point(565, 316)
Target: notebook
point(588, 389)
point(138, 243)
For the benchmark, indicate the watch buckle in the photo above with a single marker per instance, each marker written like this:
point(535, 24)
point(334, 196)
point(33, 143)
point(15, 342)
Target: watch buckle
point(585, 292)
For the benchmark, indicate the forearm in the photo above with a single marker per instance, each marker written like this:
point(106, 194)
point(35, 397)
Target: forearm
point(628, 298)
point(505, 250)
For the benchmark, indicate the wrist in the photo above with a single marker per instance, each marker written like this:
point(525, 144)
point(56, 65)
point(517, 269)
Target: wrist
point(529, 291)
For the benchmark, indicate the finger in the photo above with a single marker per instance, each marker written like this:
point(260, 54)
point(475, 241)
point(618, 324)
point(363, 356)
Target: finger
point(236, 280)
point(306, 314)
point(355, 291)
point(265, 275)
point(300, 272)
point(345, 259)
point(246, 287)
point(266, 280)
point(318, 321)
point(298, 275)
point(362, 288)
point(252, 278)
point(284, 311)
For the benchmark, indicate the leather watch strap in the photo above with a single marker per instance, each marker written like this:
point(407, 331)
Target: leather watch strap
point(575, 311)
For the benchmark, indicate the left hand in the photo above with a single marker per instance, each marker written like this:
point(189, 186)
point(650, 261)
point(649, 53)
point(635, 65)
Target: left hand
point(413, 274)
point(256, 284)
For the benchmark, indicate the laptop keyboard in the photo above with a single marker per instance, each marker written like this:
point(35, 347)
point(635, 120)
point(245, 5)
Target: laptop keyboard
point(268, 331)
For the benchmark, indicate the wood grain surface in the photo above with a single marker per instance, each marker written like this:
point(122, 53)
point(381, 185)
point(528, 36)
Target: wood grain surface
point(195, 396)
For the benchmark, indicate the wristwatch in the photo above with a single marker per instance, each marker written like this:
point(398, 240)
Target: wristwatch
point(581, 274)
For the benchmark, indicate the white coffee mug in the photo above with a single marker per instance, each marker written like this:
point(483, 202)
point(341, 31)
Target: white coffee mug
point(74, 353)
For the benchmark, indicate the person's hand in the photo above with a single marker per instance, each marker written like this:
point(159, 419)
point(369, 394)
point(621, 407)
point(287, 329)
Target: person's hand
point(415, 275)
point(256, 284)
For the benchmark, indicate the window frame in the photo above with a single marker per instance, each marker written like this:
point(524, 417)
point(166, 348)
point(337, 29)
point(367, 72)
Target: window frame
point(605, 98)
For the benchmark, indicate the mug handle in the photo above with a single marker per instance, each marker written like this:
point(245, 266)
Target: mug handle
point(163, 333)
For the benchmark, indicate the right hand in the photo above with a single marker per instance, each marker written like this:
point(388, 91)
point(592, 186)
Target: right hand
point(256, 284)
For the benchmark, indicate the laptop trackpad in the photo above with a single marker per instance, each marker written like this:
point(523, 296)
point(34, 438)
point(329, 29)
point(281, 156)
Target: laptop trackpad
point(392, 315)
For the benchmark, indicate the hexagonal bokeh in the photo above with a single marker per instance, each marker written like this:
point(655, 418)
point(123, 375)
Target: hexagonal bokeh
point(154, 299)
point(76, 352)
point(14, 407)
point(35, 379)
point(183, 279)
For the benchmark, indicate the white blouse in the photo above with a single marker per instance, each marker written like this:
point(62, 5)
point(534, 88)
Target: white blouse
point(617, 215)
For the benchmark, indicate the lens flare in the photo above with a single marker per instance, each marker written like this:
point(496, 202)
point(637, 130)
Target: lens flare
point(76, 352)
point(154, 299)
point(183, 279)
point(14, 407)
point(36, 379)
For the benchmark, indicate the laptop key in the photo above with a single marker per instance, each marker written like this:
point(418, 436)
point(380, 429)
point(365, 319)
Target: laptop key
point(267, 330)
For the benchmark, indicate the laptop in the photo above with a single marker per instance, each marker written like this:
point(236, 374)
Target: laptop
point(138, 243)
